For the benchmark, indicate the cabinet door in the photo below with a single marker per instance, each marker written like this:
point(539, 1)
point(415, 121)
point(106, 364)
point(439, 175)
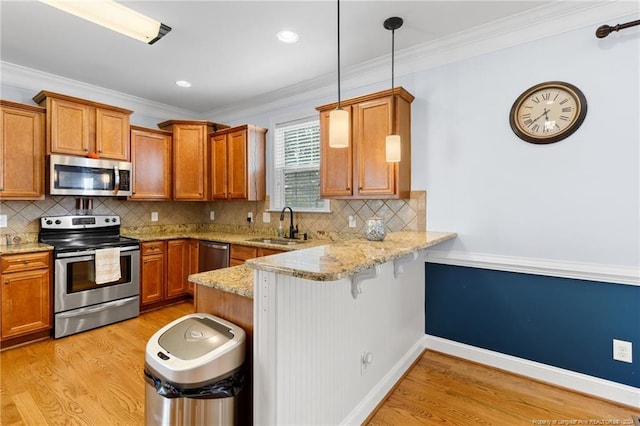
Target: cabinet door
point(190, 162)
point(237, 164)
point(152, 278)
point(151, 157)
point(194, 251)
point(219, 167)
point(371, 125)
point(177, 267)
point(112, 134)
point(22, 154)
point(336, 164)
point(69, 127)
point(26, 302)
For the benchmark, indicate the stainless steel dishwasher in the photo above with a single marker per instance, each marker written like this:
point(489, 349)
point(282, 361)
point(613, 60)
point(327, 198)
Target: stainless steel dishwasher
point(212, 255)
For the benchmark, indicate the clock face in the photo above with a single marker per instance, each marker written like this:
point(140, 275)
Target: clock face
point(548, 112)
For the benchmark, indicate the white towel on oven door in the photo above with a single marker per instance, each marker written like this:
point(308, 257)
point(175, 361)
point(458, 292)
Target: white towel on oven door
point(107, 263)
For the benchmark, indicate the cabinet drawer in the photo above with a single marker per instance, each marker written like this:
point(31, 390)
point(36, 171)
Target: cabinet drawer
point(153, 247)
point(25, 262)
point(243, 252)
point(268, 252)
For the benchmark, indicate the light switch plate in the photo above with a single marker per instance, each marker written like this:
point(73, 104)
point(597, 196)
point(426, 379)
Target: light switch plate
point(3, 220)
point(154, 216)
point(212, 215)
point(266, 217)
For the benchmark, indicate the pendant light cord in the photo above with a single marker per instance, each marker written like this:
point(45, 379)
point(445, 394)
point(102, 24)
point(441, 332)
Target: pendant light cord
point(338, 54)
point(393, 97)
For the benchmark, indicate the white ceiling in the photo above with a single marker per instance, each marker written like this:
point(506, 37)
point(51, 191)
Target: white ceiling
point(228, 49)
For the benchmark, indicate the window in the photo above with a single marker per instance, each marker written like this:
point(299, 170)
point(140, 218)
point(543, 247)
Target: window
point(297, 166)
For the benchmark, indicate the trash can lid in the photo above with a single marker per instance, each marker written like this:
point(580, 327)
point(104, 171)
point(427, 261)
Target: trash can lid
point(194, 337)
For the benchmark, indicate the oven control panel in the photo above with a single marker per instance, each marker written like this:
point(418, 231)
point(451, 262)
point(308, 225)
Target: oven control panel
point(79, 222)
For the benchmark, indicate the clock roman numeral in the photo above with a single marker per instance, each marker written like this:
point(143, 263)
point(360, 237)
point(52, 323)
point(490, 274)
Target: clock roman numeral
point(546, 96)
point(564, 101)
point(526, 116)
point(564, 118)
point(566, 109)
point(535, 99)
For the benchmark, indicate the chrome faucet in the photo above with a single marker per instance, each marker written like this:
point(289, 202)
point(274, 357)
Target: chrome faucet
point(292, 230)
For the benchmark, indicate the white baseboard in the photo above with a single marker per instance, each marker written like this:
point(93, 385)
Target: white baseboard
point(380, 390)
point(601, 388)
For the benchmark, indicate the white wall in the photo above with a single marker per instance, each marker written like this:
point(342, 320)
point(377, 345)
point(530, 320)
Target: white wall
point(575, 200)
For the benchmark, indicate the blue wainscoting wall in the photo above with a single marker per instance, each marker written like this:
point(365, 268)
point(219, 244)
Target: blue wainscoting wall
point(566, 323)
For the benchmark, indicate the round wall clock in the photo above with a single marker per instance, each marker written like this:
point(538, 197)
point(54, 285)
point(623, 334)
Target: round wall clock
point(548, 112)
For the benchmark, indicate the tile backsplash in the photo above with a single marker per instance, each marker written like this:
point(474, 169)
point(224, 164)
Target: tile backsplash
point(398, 215)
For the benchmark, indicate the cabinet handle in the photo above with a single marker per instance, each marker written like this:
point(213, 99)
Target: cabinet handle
point(7, 282)
point(86, 150)
point(100, 151)
point(26, 261)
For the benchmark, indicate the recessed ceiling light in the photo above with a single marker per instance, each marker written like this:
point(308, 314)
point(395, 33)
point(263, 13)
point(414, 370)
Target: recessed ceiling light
point(287, 36)
point(183, 83)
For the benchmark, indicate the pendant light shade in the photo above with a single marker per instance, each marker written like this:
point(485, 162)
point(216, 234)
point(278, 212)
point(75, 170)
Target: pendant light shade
point(339, 128)
point(393, 142)
point(339, 118)
point(392, 148)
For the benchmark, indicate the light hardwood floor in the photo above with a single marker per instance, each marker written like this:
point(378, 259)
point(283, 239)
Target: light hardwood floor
point(95, 378)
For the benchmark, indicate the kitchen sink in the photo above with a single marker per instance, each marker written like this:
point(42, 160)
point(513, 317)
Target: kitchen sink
point(279, 241)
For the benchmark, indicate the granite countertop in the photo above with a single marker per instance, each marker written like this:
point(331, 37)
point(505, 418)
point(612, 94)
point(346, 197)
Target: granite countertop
point(328, 262)
point(343, 259)
point(223, 237)
point(24, 248)
point(235, 279)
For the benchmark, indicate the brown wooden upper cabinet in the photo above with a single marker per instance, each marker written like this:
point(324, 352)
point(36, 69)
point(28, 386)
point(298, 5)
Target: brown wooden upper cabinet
point(21, 151)
point(361, 170)
point(78, 127)
point(238, 163)
point(151, 158)
point(190, 157)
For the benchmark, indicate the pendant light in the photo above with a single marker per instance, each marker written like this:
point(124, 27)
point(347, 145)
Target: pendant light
point(339, 118)
point(392, 141)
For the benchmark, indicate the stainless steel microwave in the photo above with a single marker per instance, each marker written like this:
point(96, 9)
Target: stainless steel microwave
point(69, 175)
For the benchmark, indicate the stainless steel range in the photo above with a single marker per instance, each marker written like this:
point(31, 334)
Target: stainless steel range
point(90, 293)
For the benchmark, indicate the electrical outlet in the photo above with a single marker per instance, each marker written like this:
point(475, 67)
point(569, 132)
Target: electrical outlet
point(365, 360)
point(622, 351)
point(266, 217)
point(3, 220)
point(154, 216)
point(212, 215)
point(352, 222)
point(250, 217)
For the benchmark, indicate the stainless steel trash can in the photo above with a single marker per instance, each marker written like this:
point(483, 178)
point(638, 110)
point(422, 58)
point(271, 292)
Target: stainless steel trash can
point(194, 369)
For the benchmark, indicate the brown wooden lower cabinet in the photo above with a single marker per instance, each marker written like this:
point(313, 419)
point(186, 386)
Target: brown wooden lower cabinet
point(240, 253)
point(25, 291)
point(164, 272)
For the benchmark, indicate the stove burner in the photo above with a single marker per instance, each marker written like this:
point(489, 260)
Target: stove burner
point(77, 233)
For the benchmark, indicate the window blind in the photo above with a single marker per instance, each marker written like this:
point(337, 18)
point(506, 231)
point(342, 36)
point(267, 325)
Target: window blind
point(297, 166)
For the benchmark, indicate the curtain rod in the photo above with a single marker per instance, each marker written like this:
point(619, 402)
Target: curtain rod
point(605, 30)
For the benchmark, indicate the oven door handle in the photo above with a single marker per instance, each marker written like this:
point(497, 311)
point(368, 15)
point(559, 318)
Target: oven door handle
point(94, 309)
point(90, 253)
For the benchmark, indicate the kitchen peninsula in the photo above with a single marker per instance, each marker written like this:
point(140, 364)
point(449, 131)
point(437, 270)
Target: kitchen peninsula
point(334, 326)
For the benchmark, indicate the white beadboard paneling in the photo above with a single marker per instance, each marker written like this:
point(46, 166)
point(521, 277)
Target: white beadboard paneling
point(310, 336)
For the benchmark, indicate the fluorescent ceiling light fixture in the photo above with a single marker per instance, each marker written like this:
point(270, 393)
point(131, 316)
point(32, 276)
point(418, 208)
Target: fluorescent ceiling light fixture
point(114, 16)
point(183, 83)
point(287, 36)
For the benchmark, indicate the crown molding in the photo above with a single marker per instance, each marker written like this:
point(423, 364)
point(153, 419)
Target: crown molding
point(29, 79)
